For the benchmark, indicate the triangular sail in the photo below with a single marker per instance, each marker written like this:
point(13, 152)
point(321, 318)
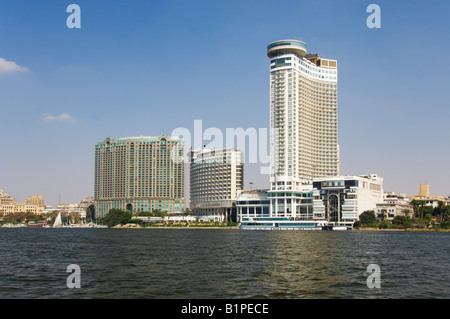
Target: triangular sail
point(58, 221)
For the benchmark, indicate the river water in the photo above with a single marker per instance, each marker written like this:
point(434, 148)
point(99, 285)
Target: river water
point(213, 264)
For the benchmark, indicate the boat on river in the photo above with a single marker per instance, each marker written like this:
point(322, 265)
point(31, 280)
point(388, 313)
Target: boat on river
point(11, 225)
point(39, 224)
point(59, 224)
point(284, 223)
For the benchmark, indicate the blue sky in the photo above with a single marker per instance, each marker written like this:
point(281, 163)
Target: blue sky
point(148, 67)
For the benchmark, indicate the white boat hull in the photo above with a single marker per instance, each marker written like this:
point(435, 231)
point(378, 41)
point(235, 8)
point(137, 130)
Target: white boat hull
point(280, 223)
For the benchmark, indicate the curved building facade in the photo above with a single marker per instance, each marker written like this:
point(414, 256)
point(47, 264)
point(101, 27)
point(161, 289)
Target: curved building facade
point(303, 115)
point(216, 176)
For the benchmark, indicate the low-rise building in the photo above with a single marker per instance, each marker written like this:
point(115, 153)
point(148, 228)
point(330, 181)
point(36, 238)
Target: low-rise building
point(26, 208)
point(393, 205)
point(68, 209)
point(7, 209)
point(252, 203)
point(341, 199)
point(295, 203)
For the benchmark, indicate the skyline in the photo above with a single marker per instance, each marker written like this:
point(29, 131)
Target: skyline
point(146, 69)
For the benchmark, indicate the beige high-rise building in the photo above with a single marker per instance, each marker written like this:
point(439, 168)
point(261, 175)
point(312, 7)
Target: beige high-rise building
point(139, 174)
point(303, 115)
point(37, 201)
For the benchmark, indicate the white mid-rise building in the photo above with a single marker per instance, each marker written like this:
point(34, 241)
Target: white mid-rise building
point(341, 199)
point(216, 175)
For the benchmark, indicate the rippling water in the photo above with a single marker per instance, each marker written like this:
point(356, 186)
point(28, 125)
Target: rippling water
point(204, 263)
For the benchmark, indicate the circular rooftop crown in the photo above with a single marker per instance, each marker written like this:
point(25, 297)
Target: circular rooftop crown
point(286, 46)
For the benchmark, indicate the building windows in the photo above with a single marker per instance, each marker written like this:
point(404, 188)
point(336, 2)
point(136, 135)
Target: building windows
point(137, 168)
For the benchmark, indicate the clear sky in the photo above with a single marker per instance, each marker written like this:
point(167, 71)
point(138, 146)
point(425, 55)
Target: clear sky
point(148, 67)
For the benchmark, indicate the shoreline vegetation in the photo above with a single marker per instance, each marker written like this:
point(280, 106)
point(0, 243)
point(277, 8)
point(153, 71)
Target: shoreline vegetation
point(432, 219)
point(421, 219)
point(443, 230)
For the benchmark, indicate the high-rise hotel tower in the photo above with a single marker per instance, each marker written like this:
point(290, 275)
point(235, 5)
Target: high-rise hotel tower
point(139, 174)
point(303, 115)
point(303, 126)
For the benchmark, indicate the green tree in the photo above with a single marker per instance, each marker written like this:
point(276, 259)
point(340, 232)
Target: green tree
point(399, 220)
point(442, 211)
point(90, 213)
point(114, 217)
point(126, 217)
point(159, 213)
point(406, 212)
point(75, 218)
point(368, 217)
point(402, 221)
point(419, 208)
point(384, 224)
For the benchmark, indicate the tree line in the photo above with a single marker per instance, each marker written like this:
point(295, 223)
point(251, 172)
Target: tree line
point(421, 216)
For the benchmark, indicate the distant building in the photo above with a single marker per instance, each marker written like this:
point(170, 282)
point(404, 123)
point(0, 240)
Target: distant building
point(37, 201)
point(393, 205)
point(139, 174)
point(7, 209)
point(86, 203)
point(68, 208)
point(8, 205)
point(341, 199)
point(424, 195)
point(216, 176)
point(5, 199)
point(26, 208)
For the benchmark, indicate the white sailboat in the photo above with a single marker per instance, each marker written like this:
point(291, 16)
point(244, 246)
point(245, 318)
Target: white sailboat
point(58, 221)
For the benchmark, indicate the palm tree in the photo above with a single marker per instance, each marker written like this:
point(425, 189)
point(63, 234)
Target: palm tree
point(418, 207)
point(406, 212)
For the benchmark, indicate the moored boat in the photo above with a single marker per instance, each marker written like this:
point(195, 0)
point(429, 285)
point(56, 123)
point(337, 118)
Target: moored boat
point(282, 223)
point(39, 224)
point(339, 228)
point(58, 221)
point(11, 225)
